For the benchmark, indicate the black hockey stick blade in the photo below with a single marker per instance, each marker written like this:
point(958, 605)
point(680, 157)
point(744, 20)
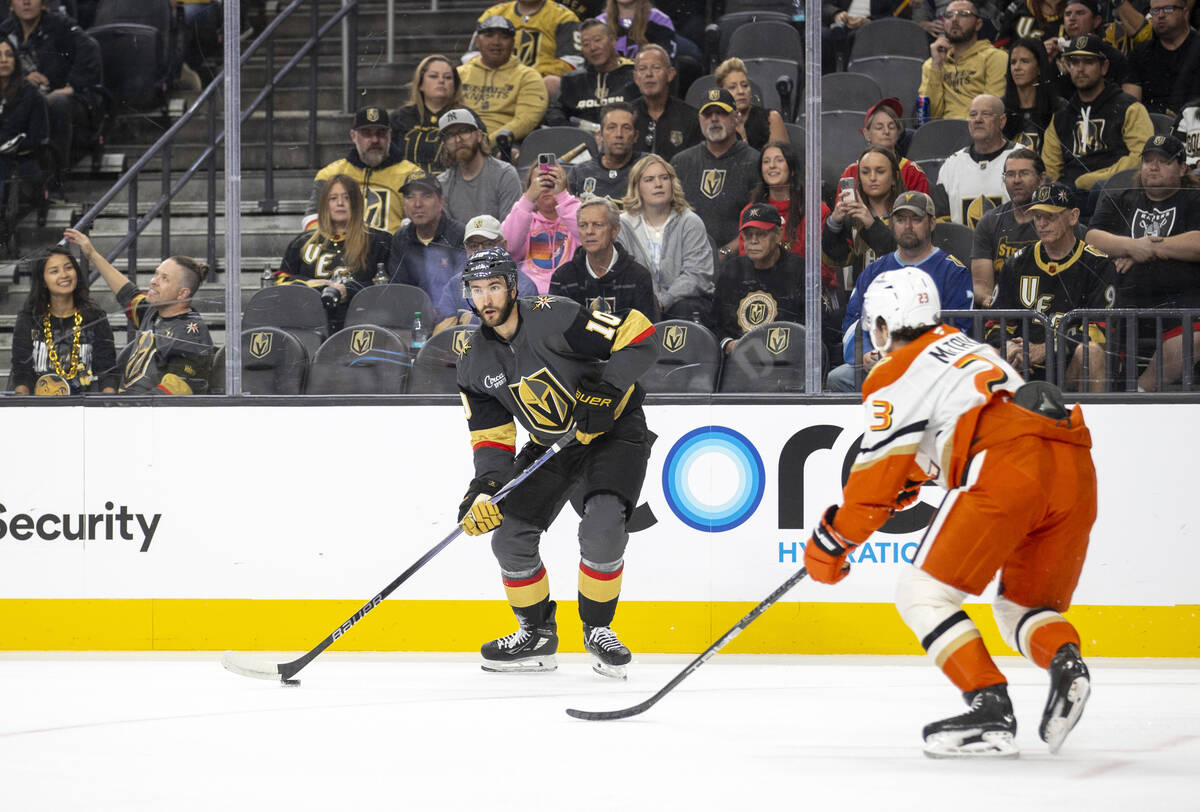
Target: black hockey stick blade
point(284, 672)
point(646, 704)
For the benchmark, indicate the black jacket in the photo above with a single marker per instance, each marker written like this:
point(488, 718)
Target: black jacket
point(678, 129)
point(585, 91)
point(61, 51)
point(627, 286)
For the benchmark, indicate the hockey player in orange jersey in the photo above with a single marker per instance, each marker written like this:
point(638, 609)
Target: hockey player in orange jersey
point(1021, 500)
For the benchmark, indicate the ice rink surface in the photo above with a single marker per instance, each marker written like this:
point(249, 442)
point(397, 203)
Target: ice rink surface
point(434, 732)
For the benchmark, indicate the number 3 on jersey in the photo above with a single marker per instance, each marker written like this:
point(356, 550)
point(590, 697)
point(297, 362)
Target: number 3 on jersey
point(881, 415)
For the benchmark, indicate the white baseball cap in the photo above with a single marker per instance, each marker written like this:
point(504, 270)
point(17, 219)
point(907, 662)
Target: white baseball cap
point(485, 225)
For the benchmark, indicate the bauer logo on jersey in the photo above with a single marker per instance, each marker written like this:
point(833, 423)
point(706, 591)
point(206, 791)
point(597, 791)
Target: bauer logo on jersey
point(260, 344)
point(712, 182)
point(756, 309)
point(545, 402)
point(362, 341)
point(461, 342)
point(778, 339)
point(674, 338)
point(1153, 223)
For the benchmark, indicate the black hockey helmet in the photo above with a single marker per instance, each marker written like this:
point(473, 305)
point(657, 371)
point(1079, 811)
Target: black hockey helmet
point(488, 263)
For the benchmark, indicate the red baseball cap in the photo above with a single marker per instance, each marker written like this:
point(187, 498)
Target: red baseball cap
point(891, 103)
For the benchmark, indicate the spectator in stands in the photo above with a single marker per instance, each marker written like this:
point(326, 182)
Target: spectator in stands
point(343, 253)
point(858, 229)
point(1030, 97)
point(604, 79)
point(546, 37)
point(1080, 18)
point(509, 96)
point(64, 64)
point(608, 174)
point(24, 128)
point(1099, 133)
point(781, 184)
point(636, 24)
point(764, 285)
point(912, 230)
point(1167, 68)
point(377, 170)
point(61, 332)
point(172, 352)
point(662, 233)
point(200, 34)
point(961, 65)
point(755, 124)
point(474, 182)
point(971, 180)
point(882, 128)
point(719, 174)
point(601, 275)
point(1008, 228)
point(841, 20)
point(481, 232)
point(427, 251)
point(665, 123)
point(1040, 19)
point(1130, 28)
point(436, 88)
point(1058, 273)
point(1153, 233)
point(1188, 131)
point(542, 231)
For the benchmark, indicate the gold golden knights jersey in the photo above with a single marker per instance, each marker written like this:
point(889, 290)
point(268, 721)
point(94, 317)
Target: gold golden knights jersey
point(547, 41)
point(532, 378)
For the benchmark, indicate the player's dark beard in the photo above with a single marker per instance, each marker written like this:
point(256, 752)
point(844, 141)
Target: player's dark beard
point(507, 311)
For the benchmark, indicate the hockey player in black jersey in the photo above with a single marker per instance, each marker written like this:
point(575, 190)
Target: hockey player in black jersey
point(1056, 274)
point(555, 368)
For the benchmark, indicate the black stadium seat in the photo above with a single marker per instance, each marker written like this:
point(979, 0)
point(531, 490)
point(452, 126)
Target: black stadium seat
point(849, 91)
point(135, 72)
point(391, 306)
point(841, 143)
point(697, 93)
point(362, 360)
point(772, 38)
point(769, 358)
point(559, 140)
point(940, 138)
point(155, 13)
point(216, 373)
point(899, 77)
point(732, 20)
point(955, 239)
point(296, 309)
point(436, 367)
point(891, 36)
point(273, 362)
point(689, 359)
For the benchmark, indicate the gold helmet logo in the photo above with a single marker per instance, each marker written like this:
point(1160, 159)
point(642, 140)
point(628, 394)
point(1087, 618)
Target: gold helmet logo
point(362, 341)
point(260, 344)
point(778, 339)
point(674, 338)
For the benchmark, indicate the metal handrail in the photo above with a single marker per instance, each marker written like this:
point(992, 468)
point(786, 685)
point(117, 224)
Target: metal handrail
point(1124, 329)
point(208, 96)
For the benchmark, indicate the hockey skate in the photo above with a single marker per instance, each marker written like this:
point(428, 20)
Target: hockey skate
point(1070, 686)
point(611, 655)
point(529, 648)
point(987, 730)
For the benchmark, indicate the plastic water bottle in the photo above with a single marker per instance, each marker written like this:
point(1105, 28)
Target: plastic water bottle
point(922, 110)
point(380, 277)
point(419, 333)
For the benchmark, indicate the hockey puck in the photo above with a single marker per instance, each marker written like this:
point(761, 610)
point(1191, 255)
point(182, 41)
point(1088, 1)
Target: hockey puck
point(290, 682)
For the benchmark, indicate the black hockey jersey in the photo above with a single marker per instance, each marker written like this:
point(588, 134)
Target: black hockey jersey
point(165, 345)
point(532, 379)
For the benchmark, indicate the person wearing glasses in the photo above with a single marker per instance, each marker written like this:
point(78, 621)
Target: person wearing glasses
point(666, 124)
point(1167, 68)
point(474, 182)
point(971, 181)
point(961, 65)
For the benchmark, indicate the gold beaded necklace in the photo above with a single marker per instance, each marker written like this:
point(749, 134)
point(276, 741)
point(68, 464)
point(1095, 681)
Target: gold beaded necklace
point(76, 366)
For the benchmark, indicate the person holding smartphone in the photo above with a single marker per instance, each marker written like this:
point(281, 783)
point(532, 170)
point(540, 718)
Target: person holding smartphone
point(542, 230)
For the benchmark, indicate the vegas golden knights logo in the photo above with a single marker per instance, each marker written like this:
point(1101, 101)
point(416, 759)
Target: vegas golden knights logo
point(712, 182)
point(544, 401)
point(756, 312)
point(139, 360)
point(362, 341)
point(260, 344)
point(976, 207)
point(1089, 136)
point(375, 207)
point(527, 46)
point(461, 342)
point(674, 338)
point(778, 339)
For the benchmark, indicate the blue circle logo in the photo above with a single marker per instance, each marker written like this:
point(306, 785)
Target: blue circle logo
point(713, 479)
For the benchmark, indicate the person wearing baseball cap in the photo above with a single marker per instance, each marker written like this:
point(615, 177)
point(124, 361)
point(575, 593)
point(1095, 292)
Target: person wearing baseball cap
point(1152, 230)
point(508, 95)
point(882, 128)
point(1081, 18)
point(1061, 273)
point(475, 182)
point(378, 169)
point(552, 27)
point(483, 232)
point(1166, 69)
point(912, 220)
point(764, 285)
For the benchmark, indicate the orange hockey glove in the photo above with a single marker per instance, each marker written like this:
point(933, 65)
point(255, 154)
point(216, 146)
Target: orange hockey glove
point(826, 552)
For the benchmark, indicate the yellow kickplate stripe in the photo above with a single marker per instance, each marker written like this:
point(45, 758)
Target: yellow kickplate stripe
point(645, 626)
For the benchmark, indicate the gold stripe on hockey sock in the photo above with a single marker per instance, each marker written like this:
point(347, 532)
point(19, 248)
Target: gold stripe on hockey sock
point(1044, 635)
point(600, 587)
point(524, 592)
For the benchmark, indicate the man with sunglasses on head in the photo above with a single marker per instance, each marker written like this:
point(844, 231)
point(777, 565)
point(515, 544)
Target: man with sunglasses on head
point(961, 65)
point(1167, 68)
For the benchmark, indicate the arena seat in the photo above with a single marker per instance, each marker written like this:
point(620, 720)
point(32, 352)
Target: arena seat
point(849, 91)
point(435, 370)
point(955, 239)
point(559, 140)
point(931, 167)
point(155, 13)
point(362, 360)
point(216, 373)
point(898, 77)
point(689, 359)
point(391, 306)
point(273, 362)
point(769, 358)
point(841, 143)
point(1163, 123)
point(891, 36)
point(697, 94)
point(134, 70)
point(766, 38)
point(940, 138)
point(295, 309)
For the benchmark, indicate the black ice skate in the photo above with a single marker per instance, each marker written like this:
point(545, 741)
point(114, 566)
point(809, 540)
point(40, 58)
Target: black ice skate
point(987, 730)
point(611, 655)
point(529, 648)
point(1070, 686)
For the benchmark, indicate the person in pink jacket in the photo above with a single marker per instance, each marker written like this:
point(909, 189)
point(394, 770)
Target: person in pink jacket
point(541, 230)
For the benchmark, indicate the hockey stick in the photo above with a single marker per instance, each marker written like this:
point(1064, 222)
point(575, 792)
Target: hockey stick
point(285, 672)
point(646, 704)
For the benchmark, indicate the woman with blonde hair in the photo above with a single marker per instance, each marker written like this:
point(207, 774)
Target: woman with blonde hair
point(342, 255)
point(436, 88)
point(662, 233)
point(756, 125)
